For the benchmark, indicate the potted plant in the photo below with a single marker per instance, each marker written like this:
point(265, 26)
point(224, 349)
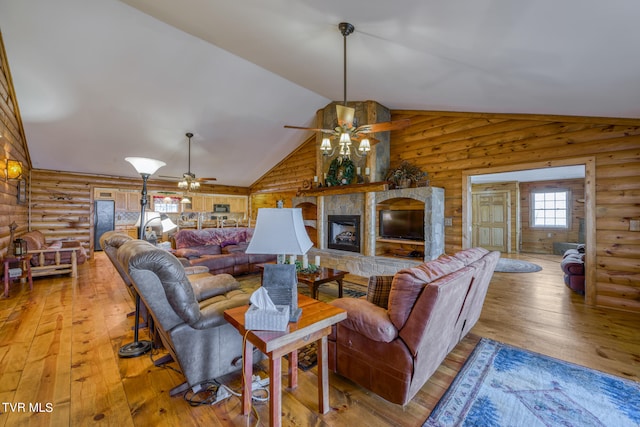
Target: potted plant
point(403, 175)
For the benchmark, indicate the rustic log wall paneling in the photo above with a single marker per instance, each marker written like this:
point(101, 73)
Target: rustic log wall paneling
point(13, 147)
point(446, 144)
point(285, 179)
point(537, 240)
point(62, 202)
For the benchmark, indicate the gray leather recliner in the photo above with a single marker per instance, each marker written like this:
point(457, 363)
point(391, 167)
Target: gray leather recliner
point(195, 333)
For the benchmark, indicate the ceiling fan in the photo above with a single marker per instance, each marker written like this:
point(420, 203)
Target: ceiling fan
point(347, 128)
point(188, 181)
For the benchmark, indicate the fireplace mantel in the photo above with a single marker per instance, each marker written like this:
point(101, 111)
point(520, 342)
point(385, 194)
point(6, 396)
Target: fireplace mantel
point(346, 189)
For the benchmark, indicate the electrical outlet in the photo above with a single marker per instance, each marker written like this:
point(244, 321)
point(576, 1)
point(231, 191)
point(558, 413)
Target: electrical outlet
point(634, 225)
point(448, 222)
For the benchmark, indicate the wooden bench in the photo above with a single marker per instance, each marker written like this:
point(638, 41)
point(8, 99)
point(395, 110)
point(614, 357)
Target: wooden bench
point(59, 257)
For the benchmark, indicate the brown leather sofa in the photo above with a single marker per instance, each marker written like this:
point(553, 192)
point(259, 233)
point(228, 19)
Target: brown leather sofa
point(395, 339)
point(221, 250)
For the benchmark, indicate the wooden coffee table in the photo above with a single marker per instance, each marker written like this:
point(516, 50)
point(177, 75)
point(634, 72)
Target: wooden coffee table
point(314, 325)
point(314, 280)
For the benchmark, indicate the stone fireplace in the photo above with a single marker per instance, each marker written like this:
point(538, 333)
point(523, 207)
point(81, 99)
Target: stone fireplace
point(336, 202)
point(343, 232)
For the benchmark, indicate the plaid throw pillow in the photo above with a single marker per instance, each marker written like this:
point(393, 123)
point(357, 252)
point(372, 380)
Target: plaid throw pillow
point(378, 291)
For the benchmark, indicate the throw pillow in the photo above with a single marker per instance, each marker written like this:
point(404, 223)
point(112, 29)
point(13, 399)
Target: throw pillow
point(186, 253)
point(378, 290)
point(228, 243)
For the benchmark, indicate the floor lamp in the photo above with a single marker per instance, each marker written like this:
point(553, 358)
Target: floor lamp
point(145, 167)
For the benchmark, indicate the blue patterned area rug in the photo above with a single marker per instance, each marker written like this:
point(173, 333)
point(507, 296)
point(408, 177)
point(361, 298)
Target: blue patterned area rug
point(500, 385)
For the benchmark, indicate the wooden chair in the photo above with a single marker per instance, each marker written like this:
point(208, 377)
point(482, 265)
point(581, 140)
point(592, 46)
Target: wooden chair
point(228, 223)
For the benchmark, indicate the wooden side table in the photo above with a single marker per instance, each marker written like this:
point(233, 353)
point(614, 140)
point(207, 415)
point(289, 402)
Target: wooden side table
point(314, 280)
point(314, 325)
point(25, 264)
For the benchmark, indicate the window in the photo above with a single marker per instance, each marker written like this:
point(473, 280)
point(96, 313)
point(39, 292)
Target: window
point(166, 204)
point(550, 209)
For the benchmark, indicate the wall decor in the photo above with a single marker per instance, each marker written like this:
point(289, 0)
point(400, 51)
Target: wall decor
point(22, 191)
point(341, 171)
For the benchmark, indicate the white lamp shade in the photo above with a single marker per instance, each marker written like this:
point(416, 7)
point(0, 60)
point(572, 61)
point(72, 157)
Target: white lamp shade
point(145, 166)
point(151, 219)
point(167, 224)
point(279, 231)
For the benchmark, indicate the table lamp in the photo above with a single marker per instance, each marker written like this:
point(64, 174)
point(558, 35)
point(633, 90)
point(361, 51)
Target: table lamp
point(280, 231)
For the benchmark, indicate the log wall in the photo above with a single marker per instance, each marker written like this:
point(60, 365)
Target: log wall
point(446, 144)
point(13, 147)
point(286, 179)
point(62, 202)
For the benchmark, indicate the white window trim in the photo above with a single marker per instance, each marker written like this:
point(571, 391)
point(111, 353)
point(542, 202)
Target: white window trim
point(532, 210)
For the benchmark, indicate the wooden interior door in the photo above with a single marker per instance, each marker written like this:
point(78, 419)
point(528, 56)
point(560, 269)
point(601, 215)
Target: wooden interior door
point(491, 219)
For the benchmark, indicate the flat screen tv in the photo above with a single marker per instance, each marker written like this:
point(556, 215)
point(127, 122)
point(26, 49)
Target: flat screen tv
point(402, 224)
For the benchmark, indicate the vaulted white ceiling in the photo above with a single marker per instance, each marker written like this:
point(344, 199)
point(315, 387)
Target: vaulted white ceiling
point(101, 80)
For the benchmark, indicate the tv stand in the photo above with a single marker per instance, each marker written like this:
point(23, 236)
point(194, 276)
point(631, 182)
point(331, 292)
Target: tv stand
point(400, 241)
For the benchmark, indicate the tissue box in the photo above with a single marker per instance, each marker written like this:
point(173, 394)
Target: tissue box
point(15, 272)
point(267, 320)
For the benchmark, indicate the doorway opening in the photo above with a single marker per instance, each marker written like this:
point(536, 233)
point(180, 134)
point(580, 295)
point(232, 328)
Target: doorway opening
point(541, 170)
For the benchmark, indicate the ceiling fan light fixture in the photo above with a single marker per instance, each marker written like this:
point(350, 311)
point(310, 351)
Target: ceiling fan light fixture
point(345, 138)
point(325, 147)
point(183, 185)
point(365, 145)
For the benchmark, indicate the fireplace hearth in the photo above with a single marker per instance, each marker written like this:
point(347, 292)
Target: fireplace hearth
point(344, 232)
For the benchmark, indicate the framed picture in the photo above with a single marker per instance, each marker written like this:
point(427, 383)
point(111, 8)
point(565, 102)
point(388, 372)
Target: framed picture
point(22, 191)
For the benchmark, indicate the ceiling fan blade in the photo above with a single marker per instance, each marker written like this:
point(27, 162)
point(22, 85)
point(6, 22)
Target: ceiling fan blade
point(384, 126)
point(175, 178)
point(312, 129)
point(362, 136)
point(345, 115)
point(207, 179)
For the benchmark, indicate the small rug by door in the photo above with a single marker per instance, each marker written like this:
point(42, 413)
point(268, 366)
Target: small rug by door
point(508, 265)
point(500, 385)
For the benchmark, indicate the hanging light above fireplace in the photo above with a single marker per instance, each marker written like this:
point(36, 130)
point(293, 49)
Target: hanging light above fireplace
point(347, 129)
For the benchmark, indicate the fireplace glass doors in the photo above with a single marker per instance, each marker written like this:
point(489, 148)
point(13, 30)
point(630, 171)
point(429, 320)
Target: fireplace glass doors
point(344, 232)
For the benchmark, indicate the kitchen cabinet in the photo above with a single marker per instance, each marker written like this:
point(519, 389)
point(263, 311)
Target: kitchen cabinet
point(238, 204)
point(129, 201)
point(121, 201)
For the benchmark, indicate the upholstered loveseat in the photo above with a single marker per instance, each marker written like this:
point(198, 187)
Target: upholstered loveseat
point(221, 250)
point(56, 257)
point(188, 317)
point(395, 339)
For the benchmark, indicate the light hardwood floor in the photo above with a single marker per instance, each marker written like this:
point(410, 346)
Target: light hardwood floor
point(59, 343)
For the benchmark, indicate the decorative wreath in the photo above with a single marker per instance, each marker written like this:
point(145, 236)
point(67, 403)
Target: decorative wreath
point(341, 171)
